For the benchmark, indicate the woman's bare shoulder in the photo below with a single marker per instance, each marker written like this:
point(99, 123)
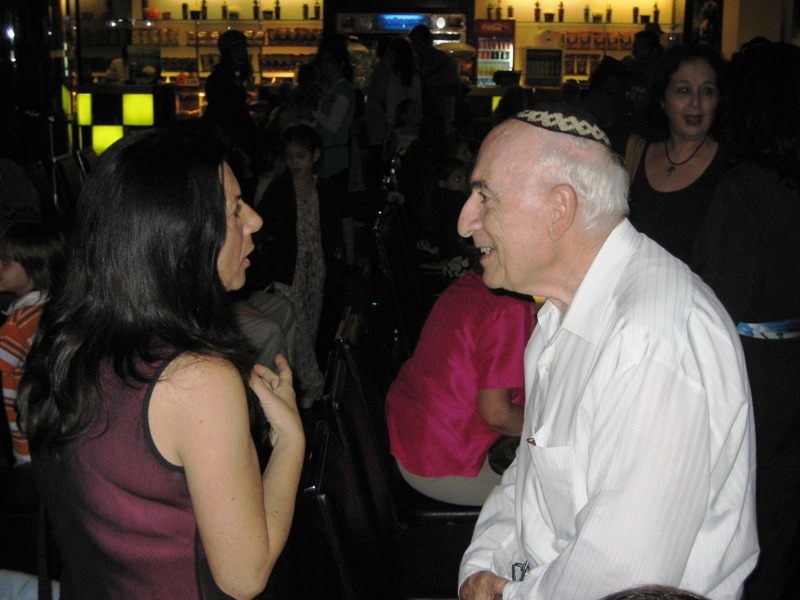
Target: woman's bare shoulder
point(192, 376)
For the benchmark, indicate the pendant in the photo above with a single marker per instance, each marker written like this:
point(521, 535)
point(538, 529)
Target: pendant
point(670, 170)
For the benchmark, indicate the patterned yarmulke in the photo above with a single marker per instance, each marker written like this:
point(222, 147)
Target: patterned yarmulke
point(563, 118)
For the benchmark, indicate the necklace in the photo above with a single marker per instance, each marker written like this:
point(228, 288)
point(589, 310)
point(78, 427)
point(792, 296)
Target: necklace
point(673, 165)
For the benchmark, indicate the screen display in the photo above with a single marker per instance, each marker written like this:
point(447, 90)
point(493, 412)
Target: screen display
point(399, 22)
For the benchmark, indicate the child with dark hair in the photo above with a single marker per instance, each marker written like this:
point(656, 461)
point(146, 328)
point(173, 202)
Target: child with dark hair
point(31, 262)
point(307, 234)
point(451, 190)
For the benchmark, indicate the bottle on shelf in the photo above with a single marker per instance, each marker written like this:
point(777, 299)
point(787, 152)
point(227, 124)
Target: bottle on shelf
point(224, 10)
point(608, 13)
point(635, 14)
point(305, 12)
point(656, 12)
point(498, 12)
point(489, 11)
point(586, 14)
point(560, 12)
point(185, 11)
point(277, 10)
point(256, 10)
point(204, 10)
point(537, 12)
point(510, 12)
point(316, 9)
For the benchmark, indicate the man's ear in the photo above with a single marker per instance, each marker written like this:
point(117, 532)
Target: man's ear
point(562, 209)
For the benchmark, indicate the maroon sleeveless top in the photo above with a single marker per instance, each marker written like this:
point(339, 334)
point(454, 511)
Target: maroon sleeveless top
point(121, 513)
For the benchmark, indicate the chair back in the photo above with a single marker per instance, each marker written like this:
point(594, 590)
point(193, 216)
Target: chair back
point(398, 282)
point(86, 157)
point(358, 409)
point(69, 183)
point(331, 488)
point(42, 181)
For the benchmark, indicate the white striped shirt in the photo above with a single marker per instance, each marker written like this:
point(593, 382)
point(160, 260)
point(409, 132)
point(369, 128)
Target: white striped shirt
point(643, 468)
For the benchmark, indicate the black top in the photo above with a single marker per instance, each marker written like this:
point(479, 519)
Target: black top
point(749, 248)
point(275, 256)
point(673, 219)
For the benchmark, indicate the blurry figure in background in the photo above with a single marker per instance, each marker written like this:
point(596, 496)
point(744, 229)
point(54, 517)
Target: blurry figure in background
point(300, 102)
point(450, 191)
point(19, 199)
point(375, 114)
point(441, 84)
point(570, 92)
point(645, 54)
point(119, 70)
point(461, 390)
point(228, 113)
point(605, 98)
point(404, 81)
point(31, 266)
point(709, 30)
point(515, 99)
point(408, 158)
point(333, 117)
point(749, 253)
point(454, 145)
point(675, 167)
point(305, 241)
point(269, 322)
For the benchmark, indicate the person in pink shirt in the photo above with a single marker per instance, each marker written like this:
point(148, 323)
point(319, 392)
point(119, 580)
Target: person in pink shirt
point(461, 390)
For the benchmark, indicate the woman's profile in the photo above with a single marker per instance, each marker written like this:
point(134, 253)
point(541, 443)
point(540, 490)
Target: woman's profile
point(140, 393)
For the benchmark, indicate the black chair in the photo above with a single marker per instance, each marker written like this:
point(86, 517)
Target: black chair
point(42, 179)
point(69, 183)
point(330, 487)
point(86, 157)
point(398, 283)
point(424, 538)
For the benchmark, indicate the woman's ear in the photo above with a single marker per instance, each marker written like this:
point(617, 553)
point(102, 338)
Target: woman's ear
point(316, 154)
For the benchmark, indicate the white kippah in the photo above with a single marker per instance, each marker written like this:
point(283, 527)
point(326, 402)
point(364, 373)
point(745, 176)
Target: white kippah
point(565, 119)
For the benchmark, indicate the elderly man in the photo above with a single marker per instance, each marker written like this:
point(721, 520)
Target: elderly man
point(637, 461)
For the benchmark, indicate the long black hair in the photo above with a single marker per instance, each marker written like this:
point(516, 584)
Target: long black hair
point(141, 281)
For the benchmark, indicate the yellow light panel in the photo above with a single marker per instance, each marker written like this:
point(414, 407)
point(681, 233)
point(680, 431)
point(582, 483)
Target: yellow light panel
point(137, 109)
point(66, 100)
point(495, 102)
point(84, 109)
point(105, 135)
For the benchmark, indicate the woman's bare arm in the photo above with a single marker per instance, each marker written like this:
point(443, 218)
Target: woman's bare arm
point(199, 420)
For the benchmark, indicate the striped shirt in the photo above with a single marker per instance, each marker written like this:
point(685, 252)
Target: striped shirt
point(16, 336)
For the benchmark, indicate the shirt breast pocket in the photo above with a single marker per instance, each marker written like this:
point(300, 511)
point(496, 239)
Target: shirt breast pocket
point(559, 486)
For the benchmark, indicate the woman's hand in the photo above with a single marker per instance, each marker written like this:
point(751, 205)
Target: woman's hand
point(277, 398)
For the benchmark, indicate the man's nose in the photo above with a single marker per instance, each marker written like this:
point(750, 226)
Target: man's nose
point(469, 219)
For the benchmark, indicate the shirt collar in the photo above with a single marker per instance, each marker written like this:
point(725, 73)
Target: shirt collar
point(595, 291)
point(32, 298)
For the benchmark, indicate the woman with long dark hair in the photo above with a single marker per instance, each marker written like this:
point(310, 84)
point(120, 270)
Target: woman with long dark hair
point(678, 161)
point(139, 394)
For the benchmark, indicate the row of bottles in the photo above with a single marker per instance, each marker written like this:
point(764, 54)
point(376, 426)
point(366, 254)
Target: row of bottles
point(226, 13)
point(589, 16)
point(497, 12)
